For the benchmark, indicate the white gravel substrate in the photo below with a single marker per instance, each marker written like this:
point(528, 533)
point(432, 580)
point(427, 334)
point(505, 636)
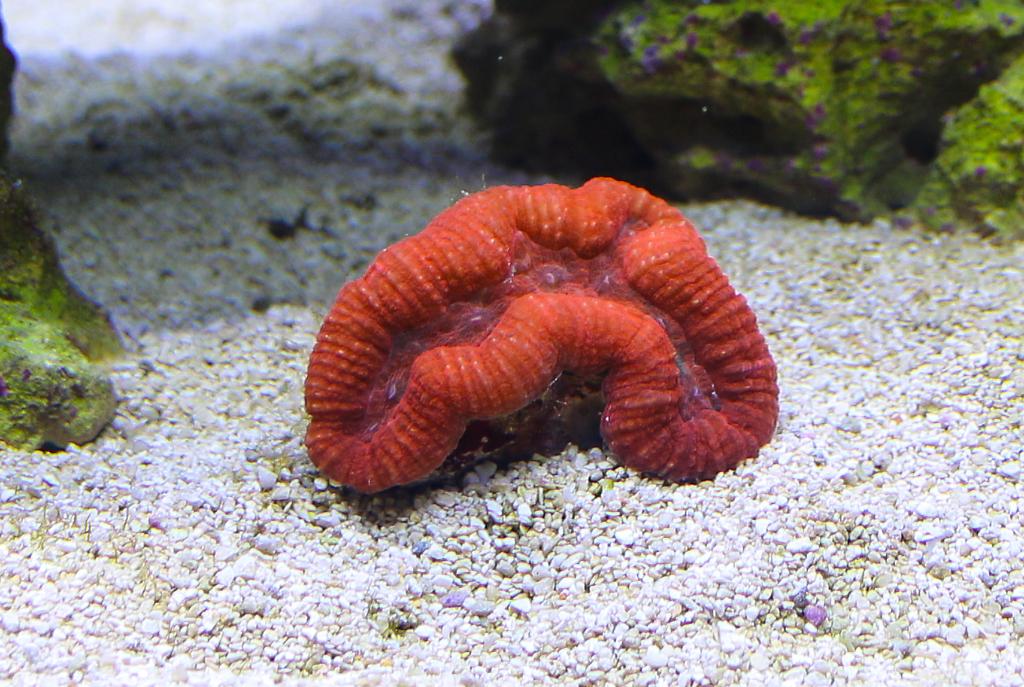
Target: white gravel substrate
point(877, 540)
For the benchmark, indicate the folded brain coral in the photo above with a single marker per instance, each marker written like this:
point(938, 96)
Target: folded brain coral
point(476, 315)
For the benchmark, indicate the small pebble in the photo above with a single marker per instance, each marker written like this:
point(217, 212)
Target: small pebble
point(281, 493)
point(815, 615)
point(851, 424)
point(265, 478)
point(800, 545)
point(1011, 470)
point(10, 623)
point(494, 510)
point(479, 607)
point(150, 626)
point(267, 544)
point(327, 520)
point(454, 599)
point(932, 531)
point(251, 606)
point(655, 657)
point(524, 514)
point(625, 536)
point(521, 606)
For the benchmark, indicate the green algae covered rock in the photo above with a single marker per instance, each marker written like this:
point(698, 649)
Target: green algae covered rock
point(51, 391)
point(978, 178)
point(835, 106)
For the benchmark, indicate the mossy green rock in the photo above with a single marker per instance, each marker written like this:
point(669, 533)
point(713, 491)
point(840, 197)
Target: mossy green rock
point(837, 105)
point(978, 178)
point(51, 390)
point(834, 106)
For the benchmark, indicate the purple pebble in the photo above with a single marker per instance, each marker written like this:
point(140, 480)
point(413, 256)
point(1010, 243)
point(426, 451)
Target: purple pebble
point(815, 615)
point(454, 599)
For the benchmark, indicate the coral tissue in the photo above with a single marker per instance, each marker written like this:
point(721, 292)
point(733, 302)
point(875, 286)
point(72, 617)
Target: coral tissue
point(476, 315)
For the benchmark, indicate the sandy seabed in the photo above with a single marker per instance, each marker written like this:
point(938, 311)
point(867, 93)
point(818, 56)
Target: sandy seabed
point(876, 540)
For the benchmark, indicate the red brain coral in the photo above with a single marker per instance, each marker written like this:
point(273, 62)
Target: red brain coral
point(477, 314)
